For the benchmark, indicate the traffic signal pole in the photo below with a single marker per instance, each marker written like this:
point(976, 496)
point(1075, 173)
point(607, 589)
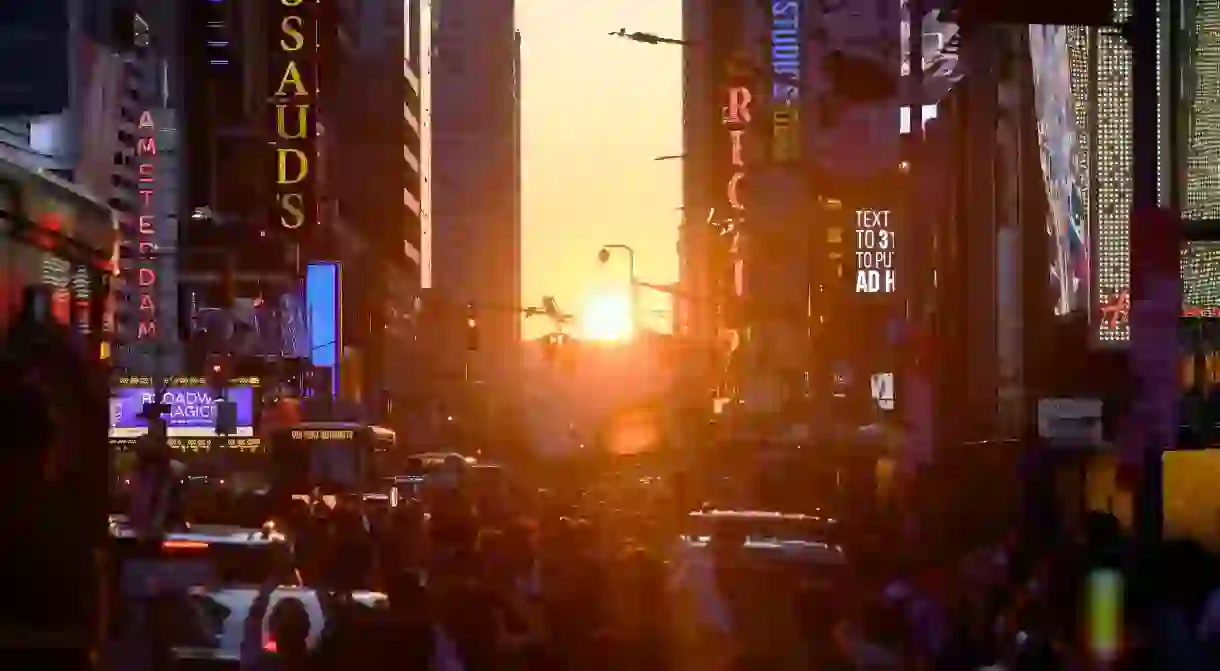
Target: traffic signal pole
point(1149, 493)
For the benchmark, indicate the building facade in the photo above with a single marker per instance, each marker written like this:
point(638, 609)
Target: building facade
point(476, 193)
point(76, 116)
point(377, 168)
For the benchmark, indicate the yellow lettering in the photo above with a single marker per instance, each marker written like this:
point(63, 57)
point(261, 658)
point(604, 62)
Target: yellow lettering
point(291, 25)
point(292, 75)
point(296, 435)
point(291, 3)
point(302, 165)
point(281, 122)
point(294, 204)
point(146, 145)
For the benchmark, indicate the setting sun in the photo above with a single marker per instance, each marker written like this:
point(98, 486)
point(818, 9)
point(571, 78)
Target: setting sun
point(606, 317)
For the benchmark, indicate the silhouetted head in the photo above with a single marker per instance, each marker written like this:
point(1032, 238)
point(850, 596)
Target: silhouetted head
point(288, 626)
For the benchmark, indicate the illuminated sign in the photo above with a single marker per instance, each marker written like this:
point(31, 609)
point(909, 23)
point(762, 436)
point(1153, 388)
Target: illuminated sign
point(146, 230)
point(736, 117)
point(323, 435)
point(295, 79)
point(247, 444)
point(875, 247)
point(785, 80)
point(192, 410)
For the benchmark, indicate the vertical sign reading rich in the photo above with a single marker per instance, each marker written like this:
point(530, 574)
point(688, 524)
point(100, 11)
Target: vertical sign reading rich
point(786, 81)
point(146, 231)
point(295, 75)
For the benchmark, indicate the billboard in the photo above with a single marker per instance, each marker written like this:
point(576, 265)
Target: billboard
point(192, 411)
point(1062, 160)
point(322, 307)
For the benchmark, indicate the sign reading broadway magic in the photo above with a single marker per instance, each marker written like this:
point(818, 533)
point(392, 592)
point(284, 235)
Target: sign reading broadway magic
point(294, 75)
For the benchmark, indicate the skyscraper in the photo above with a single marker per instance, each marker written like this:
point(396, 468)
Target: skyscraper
point(476, 177)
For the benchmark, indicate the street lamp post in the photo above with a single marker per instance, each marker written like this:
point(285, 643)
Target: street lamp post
point(604, 256)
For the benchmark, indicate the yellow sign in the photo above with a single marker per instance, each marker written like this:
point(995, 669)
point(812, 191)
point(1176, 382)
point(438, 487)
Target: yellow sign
point(296, 84)
point(323, 435)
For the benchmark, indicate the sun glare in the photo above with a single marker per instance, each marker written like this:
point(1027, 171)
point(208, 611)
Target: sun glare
point(606, 317)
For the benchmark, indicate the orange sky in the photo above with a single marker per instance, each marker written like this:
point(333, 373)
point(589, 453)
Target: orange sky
point(596, 110)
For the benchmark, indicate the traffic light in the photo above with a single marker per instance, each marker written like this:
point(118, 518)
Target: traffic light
point(228, 283)
point(472, 328)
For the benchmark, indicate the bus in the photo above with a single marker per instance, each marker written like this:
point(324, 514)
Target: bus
point(335, 457)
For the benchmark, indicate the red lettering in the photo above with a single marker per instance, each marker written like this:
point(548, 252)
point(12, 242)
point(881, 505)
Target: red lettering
point(147, 304)
point(147, 277)
point(146, 173)
point(146, 224)
point(146, 145)
point(146, 197)
point(147, 330)
point(147, 249)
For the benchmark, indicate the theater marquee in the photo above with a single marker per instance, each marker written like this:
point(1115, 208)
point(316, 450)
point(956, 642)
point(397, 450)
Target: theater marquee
point(295, 78)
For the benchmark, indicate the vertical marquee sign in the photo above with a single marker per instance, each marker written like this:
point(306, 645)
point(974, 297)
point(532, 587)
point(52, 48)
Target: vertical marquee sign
point(786, 41)
point(146, 229)
point(294, 75)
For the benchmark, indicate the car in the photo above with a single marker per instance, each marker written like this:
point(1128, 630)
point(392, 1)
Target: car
point(206, 626)
point(783, 536)
point(195, 555)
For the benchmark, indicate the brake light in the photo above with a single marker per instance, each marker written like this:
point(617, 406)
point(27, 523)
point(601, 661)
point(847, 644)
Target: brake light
point(270, 646)
point(183, 545)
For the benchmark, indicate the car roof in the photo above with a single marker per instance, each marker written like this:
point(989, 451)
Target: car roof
point(795, 550)
point(745, 515)
point(206, 533)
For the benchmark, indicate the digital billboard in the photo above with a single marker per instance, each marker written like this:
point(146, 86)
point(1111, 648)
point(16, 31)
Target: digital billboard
point(876, 242)
point(192, 411)
point(1059, 143)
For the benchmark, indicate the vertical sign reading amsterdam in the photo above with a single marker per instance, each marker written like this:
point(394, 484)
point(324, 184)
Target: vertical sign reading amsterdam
point(146, 230)
point(295, 78)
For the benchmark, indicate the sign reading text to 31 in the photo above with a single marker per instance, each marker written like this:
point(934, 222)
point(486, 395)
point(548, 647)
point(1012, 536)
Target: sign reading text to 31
point(875, 247)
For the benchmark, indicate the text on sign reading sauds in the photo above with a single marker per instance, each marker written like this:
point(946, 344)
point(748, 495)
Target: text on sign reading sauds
point(294, 121)
point(875, 246)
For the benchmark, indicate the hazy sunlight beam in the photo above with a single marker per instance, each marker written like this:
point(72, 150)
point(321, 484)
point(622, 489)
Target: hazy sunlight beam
point(606, 317)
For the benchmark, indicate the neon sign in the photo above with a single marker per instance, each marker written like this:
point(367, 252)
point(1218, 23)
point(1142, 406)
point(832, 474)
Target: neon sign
point(785, 80)
point(146, 273)
point(295, 126)
point(1116, 311)
point(737, 116)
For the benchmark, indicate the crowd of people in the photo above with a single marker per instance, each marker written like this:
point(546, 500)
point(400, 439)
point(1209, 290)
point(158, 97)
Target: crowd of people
point(565, 588)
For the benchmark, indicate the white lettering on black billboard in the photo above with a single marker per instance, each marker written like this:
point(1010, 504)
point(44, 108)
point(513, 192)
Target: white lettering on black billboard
point(875, 246)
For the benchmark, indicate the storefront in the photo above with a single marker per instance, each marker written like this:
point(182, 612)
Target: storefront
point(61, 242)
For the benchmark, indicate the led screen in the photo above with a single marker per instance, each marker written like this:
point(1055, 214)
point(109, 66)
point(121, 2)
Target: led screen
point(192, 411)
point(322, 307)
point(1062, 161)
